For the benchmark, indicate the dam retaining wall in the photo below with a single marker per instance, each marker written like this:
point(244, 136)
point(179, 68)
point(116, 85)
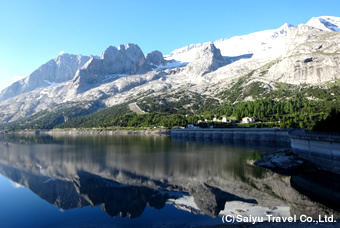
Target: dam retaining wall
point(320, 149)
point(239, 135)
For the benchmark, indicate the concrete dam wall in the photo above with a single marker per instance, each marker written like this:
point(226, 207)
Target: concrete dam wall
point(246, 135)
point(320, 149)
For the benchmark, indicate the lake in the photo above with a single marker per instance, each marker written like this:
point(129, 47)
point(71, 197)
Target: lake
point(148, 181)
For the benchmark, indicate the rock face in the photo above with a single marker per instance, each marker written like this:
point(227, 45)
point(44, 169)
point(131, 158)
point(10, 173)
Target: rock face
point(311, 56)
point(155, 58)
point(60, 69)
point(207, 59)
point(124, 60)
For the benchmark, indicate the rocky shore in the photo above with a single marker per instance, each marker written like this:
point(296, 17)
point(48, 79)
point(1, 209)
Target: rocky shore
point(284, 162)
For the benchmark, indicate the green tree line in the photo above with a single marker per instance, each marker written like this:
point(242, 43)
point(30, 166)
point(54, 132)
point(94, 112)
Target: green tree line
point(297, 112)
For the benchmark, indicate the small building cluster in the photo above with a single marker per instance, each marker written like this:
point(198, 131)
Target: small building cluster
point(223, 120)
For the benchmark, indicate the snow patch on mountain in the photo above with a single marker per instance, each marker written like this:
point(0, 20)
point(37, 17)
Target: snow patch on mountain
point(171, 65)
point(51, 83)
point(185, 203)
point(185, 54)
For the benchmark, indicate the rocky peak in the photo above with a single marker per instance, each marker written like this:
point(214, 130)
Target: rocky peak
point(124, 60)
point(207, 59)
point(109, 53)
point(284, 30)
point(155, 58)
point(301, 37)
point(326, 23)
point(64, 58)
point(134, 55)
point(57, 70)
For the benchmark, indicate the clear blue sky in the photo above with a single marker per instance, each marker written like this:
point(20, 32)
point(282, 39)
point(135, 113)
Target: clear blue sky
point(35, 31)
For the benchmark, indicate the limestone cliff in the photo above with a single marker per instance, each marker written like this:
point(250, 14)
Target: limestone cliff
point(60, 69)
point(311, 56)
point(207, 59)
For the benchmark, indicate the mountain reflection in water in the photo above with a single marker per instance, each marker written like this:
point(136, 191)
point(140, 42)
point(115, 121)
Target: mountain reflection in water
point(124, 174)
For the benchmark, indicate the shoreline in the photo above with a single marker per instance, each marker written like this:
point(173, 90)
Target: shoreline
point(74, 132)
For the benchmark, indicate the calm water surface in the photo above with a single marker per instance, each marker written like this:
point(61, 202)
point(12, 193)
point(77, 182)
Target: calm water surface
point(147, 181)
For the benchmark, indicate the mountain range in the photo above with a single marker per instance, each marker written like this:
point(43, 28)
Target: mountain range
point(307, 54)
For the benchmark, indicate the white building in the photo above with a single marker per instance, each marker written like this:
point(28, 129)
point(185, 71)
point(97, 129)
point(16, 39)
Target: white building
point(248, 120)
point(225, 120)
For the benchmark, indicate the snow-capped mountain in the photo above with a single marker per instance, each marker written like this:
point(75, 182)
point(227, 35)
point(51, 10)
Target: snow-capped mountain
point(293, 55)
point(264, 44)
point(325, 23)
